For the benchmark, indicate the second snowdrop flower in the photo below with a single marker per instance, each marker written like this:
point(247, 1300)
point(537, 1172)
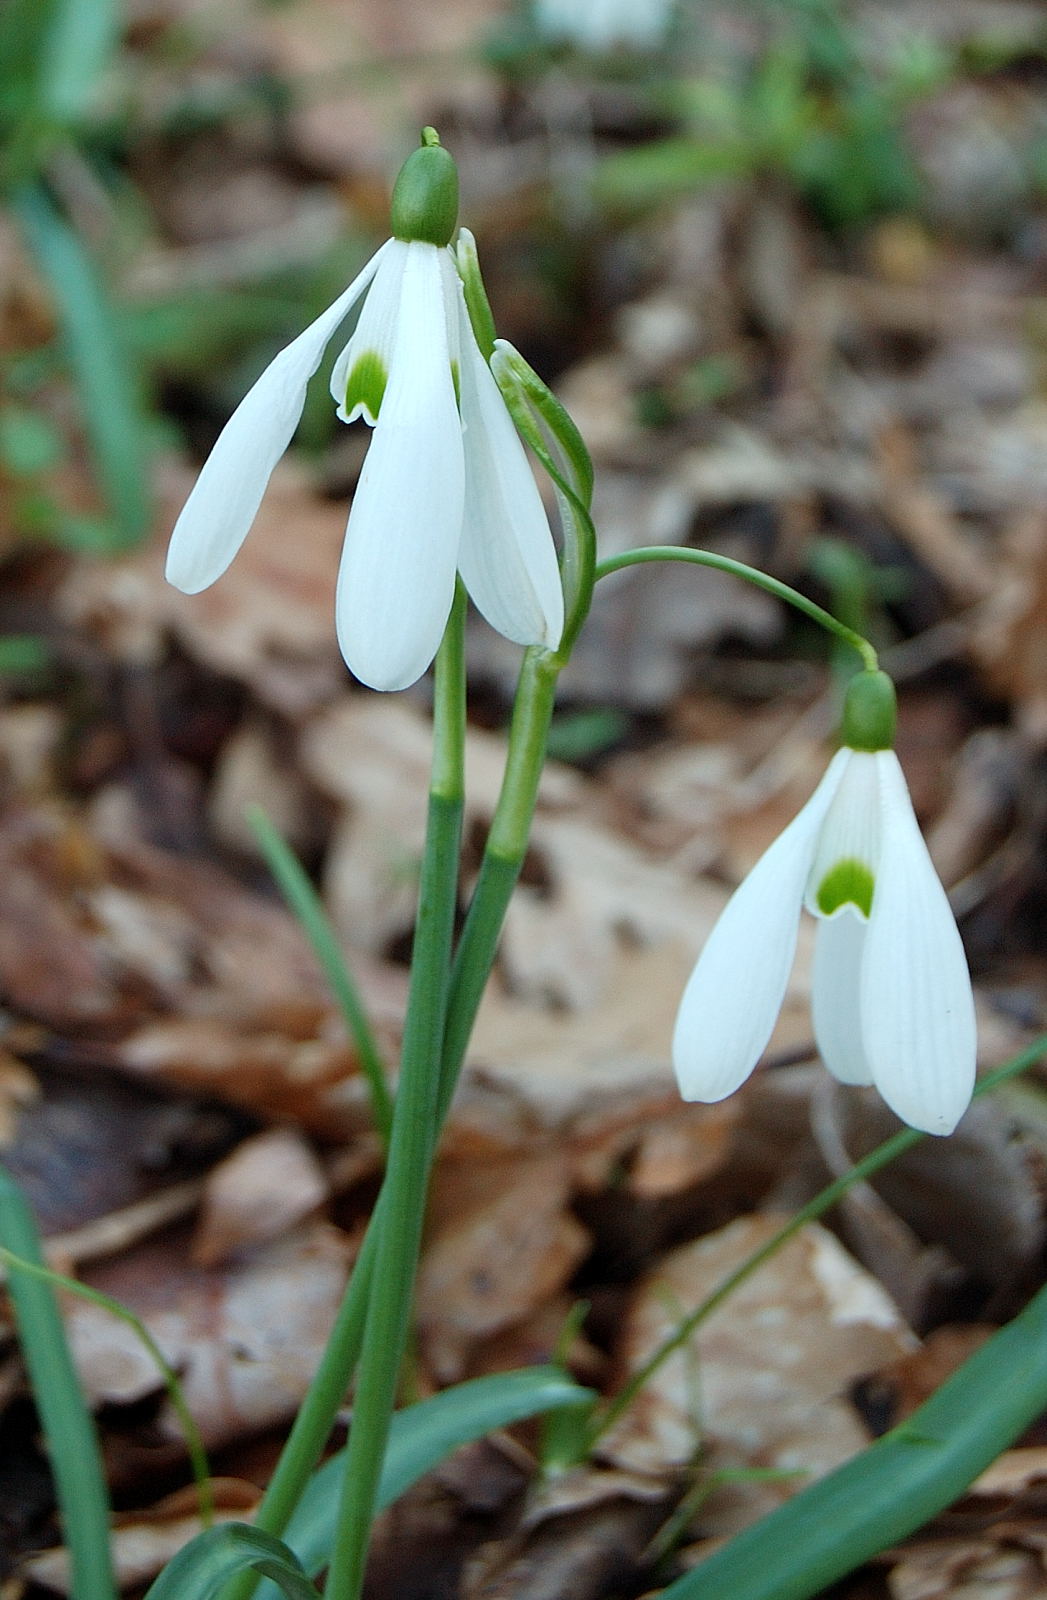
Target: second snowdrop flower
point(891, 994)
point(445, 486)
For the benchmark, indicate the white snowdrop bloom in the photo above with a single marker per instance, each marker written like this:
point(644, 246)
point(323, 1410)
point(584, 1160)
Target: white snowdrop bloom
point(445, 486)
point(892, 1002)
point(599, 25)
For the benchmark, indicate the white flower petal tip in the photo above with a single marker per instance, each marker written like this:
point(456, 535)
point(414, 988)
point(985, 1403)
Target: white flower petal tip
point(892, 1001)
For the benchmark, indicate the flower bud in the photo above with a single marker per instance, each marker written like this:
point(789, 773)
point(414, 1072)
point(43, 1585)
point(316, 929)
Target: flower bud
point(425, 196)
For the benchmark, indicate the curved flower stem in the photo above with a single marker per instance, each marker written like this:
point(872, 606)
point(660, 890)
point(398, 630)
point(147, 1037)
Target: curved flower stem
point(412, 1143)
point(888, 1151)
point(739, 569)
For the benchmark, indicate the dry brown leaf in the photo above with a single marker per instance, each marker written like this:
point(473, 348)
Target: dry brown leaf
point(245, 1339)
point(966, 1569)
point(268, 622)
point(298, 1069)
point(371, 755)
point(144, 1541)
point(355, 118)
point(502, 1241)
point(763, 1381)
point(269, 1184)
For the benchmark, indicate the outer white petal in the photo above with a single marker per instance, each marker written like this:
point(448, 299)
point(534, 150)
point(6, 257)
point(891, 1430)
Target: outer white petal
point(735, 992)
point(219, 512)
point(835, 998)
point(376, 329)
point(507, 557)
point(397, 575)
point(917, 1007)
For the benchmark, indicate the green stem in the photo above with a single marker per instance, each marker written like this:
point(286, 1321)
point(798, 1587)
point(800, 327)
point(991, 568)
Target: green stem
point(293, 883)
point(72, 1444)
point(499, 872)
point(739, 569)
point(822, 1202)
point(412, 1142)
point(503, 860)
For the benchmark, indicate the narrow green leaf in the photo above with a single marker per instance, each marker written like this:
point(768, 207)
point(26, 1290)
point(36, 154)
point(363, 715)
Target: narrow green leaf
point(896, 1485)
point(293, 883)
point(420, 1438)
point(77, 49)
point(112, 417)
point(68, 1429)
point(194, 1443)
point(201, 1569)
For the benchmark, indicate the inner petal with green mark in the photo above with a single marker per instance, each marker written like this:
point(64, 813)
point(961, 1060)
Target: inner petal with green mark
point(848, 882)
point(365, 385)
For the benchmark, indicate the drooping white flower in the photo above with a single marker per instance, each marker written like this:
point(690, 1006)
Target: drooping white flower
point(891, 994)
point(599, 25)
point(445, 485)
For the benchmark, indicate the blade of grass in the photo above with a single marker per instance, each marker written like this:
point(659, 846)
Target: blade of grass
point(78, 46)
point(112, 415)
point(421, 1436)
point(293, 883)
point(68, 1429)
point(193, 1442)
point(201, 1569)
point(894, 1487)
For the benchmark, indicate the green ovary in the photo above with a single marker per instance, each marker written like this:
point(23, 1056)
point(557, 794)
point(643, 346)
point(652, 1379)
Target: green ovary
point(365, 385)
point(849, 882)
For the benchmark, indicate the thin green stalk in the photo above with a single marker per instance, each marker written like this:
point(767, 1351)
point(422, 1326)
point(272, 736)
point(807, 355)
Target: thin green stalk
point(896, 1485)
point(293, 883)
point(412, 1141)
point(72, 1443)
point(503, 860)
point(822, 1202)
point(739, 569)
point(193, 1442)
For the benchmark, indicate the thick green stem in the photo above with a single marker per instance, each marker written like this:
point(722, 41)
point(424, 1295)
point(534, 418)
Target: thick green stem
point(473, 961)
point(412, 1142)
point(739, 569)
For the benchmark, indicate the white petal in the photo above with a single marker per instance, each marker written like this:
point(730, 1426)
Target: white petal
point(507, 557)
point(219, 512)
point(835, 995)
point(375, 332)
point(735, 993)
point(397, 576)
point(917, 1007)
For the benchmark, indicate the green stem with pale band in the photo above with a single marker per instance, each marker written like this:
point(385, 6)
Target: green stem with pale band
point(739, 569)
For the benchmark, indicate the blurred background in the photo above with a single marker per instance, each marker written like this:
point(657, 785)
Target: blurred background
point(785, 261)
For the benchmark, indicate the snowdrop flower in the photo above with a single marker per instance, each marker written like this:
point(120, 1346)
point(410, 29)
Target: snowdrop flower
point(599, 25)
point(892, 1002)
point(445, 486)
